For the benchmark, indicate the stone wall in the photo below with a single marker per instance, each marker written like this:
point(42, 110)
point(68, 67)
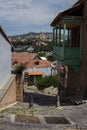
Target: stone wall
point(11, 91)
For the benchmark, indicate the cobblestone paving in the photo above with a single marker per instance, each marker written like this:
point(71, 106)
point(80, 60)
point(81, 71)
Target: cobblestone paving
point(77, 114)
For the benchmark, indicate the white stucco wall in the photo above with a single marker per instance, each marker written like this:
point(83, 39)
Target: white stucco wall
point(5, 59)
point(46, 71)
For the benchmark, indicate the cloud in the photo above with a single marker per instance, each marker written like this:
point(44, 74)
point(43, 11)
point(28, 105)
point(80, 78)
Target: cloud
point(16, 15)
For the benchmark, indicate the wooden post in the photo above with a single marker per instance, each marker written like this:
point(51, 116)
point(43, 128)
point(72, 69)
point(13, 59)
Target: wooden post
point(19, 88)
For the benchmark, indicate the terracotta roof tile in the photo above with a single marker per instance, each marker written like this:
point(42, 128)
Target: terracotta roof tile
point(35, 73)
point(38, 63)
point(22, 57)
point(29, 60)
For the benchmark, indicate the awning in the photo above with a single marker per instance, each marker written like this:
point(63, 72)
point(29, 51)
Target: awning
point(35, 73)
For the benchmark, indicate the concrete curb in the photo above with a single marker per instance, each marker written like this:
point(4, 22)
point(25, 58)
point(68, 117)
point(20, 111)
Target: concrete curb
point(8, 106)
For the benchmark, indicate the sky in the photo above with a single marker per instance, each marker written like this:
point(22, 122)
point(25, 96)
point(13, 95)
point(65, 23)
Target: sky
point(23, 16)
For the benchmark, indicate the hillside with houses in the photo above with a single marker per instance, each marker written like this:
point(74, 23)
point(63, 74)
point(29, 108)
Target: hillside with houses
point(40, 43)
point(31, 35)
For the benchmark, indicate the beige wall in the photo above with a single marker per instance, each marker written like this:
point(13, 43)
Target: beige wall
point(10, 95)
point(12, 91)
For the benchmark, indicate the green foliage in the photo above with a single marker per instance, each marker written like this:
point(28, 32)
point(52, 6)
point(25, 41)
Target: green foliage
point(19, 69)
point(31, 80)
point(44, 48)
point(37, 48)
point(18, 42)
point(41, 54)
point(47, 81)
point(30, 83)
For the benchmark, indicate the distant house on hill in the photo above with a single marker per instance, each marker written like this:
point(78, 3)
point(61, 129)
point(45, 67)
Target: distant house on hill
point(7, 81)
point(30, 49)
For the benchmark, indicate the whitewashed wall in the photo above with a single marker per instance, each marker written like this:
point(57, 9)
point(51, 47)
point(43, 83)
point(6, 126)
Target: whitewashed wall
point(45, 71)
point(5, 59)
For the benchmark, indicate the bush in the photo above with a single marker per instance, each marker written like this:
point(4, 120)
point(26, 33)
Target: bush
point(47, 81)
point(30, 83)
point(19, 69)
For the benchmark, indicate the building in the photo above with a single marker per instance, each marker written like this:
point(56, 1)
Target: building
point(38, 68)
point(43, 66)
point(24, 57)
point(70, 48)
point(7, 81)
point(30, 49)
point(5, 56)
point(35, 66)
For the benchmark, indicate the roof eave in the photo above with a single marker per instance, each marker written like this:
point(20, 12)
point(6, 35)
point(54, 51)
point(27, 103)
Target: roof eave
point(73, 8)
point(5, 36)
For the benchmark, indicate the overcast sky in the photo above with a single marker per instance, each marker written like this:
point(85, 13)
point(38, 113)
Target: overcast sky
point(23, 16)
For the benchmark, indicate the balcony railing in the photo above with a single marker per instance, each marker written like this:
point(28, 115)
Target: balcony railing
point(66, 53)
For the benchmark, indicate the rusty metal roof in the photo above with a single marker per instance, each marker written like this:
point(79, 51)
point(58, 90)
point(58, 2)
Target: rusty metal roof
point(35, 73)
point(77, 6)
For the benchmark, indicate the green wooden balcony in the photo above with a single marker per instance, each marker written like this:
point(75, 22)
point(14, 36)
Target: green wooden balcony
point(69, 56)
point(67, 41)
point(66, 53)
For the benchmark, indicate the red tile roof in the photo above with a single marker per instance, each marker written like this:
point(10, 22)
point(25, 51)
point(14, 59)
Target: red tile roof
point(38, 63)
point(22, 57)
point(30, 59)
